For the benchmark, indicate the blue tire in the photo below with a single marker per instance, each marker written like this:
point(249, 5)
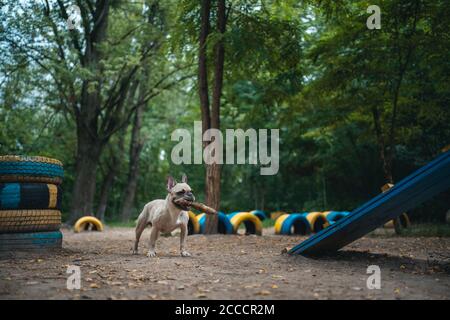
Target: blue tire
point(224, 227)
point(31, 241)
point(30, 169)
point(260, 214)
point(334, 216)
point(295, 223)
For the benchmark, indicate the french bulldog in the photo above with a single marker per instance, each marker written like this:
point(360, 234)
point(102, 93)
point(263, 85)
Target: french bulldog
point(167, 215)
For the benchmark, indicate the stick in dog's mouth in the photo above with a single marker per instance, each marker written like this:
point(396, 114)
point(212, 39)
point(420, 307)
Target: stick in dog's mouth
point(196, 205)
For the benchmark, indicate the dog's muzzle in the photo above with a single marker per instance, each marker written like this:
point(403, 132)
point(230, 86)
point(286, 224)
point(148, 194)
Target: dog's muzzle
point(184, 202)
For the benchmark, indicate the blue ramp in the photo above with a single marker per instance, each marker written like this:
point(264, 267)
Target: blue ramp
point(418, 187)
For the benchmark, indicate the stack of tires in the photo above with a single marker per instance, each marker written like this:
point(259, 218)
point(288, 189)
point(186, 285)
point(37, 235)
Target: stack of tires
point(30, 200)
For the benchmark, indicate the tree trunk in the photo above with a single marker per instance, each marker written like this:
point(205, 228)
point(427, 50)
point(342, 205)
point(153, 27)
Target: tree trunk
point(387, 168)
point(136, 145)
point(111, 174)
point(202, 65)
point(89, 143)
point(104, 193)
point(213, 171)
point(88, 156)
point(212, 192)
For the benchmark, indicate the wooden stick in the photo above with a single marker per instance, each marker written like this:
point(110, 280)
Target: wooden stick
point(198, 206)
point(203, 208)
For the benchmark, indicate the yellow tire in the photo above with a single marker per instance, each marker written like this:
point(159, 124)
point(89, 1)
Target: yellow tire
point(12, 158)
point(29, 220)
point(326, 213)
point(252, 223)
point(317, 221)
point(279, 223)
point(193, 225)
point(404, 220)
point(85, 222)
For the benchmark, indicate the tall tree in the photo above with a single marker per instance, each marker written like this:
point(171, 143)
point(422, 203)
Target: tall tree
point(92, 68)
point(211, 114)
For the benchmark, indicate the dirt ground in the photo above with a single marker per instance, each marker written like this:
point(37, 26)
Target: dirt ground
point(227, 267)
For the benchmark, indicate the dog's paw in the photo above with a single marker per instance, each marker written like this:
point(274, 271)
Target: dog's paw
point(151, 254)
point(184, 253)
point(134, 251)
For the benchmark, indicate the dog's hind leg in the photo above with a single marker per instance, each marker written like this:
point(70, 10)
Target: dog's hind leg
point(139, 229)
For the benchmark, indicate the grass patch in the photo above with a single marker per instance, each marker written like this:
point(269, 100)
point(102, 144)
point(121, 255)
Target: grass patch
point(116, 224)
point(428, 230)
point(267, 223)
point(416, 230)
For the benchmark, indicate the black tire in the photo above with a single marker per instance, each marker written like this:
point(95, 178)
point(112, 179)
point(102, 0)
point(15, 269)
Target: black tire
point(30, 169)
point(29, 196)
point(17, 221)
point(31, 241)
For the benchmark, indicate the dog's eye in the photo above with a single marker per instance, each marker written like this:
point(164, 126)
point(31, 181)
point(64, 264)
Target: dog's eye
point(181, 192)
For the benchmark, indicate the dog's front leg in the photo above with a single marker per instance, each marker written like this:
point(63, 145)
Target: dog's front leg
point(154, 232)
point(183, 234)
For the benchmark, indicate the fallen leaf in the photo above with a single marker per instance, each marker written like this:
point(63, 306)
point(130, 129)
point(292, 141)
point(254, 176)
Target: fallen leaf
point(263, 293)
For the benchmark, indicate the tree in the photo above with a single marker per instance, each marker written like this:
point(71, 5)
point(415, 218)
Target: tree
point(92, 69)
point(211, 114)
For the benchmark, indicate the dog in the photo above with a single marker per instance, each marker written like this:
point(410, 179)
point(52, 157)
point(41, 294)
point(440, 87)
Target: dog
point(167, 215)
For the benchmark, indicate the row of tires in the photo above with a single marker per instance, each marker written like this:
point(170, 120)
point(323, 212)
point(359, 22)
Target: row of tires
point(306, 222)
point(285, 224)
point(228, 223)
point(30, 202)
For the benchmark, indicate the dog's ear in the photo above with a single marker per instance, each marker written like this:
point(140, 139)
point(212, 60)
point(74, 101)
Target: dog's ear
point(184, 178)
point(170, 183)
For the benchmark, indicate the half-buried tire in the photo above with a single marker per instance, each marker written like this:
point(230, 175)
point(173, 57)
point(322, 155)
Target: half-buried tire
point(224, 227)
point(88, 223)
point(334, 216)
point(260, 214)
point(14, 221)
point(193, 225)
point(279, 223)
point(251, 222)
point(295, 223)
point(317, 221)
point(30, 169)
point(31, 241)
point(404, 221)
